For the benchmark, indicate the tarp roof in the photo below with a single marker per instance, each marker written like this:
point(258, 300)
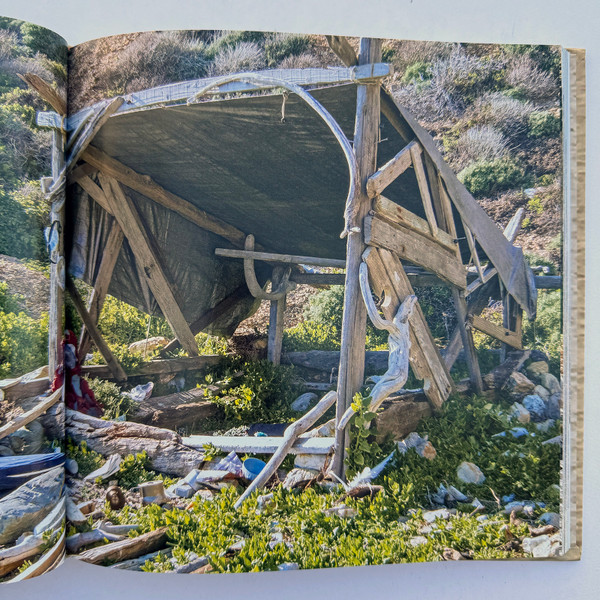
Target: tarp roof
point(285, 180)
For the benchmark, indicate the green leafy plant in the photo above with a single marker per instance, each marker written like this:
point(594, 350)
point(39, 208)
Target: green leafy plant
point(487, 177)
point(109, 395)
point(544, 124)
point(87, 460)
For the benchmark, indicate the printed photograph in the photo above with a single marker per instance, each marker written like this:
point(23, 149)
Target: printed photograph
point(32, 510)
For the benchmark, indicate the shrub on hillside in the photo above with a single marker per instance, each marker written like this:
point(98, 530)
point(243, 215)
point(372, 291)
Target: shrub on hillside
point(42, 40)
point(417, 72)
point(483, 178)
point(527, 77)
point(230, 39)
point(545, 333)
point(245, 56)
point(283, 45)
point(544, 124)
point(23, 343)
point(507, 114)
point(481, 142)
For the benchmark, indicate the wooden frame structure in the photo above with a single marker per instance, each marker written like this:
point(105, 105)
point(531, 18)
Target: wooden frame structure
point(400, 248)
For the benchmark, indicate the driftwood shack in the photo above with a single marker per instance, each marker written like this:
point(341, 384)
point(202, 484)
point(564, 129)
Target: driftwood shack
point(187, 199)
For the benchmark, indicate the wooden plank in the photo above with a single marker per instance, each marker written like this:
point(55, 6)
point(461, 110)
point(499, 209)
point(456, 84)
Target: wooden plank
point(354, 318)
point(417, 160)
point(91, 128)
point(276, 315)
point(148, 187)
point(416, 248)
point(281, 258)
point(77, 173)
point(290, 437)
point(260, 445)
point(31, 415)
point(113, 364)
point(45, 563)
point(148, 258)
point(460, 304)
point(46, 91)
point(318, 279)
point(434, 189)
point(388, 280)
point(390, 171)
point(398, 215)
point(474, 255)
point(96, 193)
point(159, 367)
point(498, 332)
point(110, 254)
point(342, 48)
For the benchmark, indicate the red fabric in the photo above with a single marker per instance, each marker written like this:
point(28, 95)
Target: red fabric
point(78, 394)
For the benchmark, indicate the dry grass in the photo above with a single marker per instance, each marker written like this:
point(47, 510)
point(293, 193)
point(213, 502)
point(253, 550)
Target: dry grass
point(481, 142)
point(507, 114)
point(535, 84)
point(245, 56)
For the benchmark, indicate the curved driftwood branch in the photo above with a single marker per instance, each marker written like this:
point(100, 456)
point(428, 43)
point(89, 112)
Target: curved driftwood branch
point(255, 289)
point(350, 214)
point(399, 346)
point(290, 435)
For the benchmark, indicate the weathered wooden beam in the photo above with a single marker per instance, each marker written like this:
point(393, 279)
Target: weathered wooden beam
point(387, 278)
point(460, 304)
point(281, 258)
point(112, 363)
point(260, 445)
point(318, 279)
point(148, 257)
point(506, 336)
point(46, 91)
point(376, 361)
point(159, 367)
point(474, 255)
point(148, 187)
point(354, 319)
point(398, 215)
point(96, 193)
point(290, 437)
point(417, 160)
point(390, 171)
point(416, 248)
point(83, 170)
point(92, 127)
point(276, 315)
point(342, 49)
point(46, 562)
point(31, 415)
point(110, 254)
point(126, 549)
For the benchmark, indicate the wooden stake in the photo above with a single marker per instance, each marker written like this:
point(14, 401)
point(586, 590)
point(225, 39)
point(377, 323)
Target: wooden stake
point(277, 312)
point(354, 320)
point(467, 339)
point(416, 152)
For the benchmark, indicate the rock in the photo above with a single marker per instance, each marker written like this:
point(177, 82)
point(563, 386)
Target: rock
point(310, 461)
point(302, 403)
point(535, 369)
point(536, 407)
point(555, 440)
point(519, 506)
point(553, 406)
point(518, 385)
point(538, 355)
point(28, 439)
point(325, 430)
point(22, 509)
point(431, 515)
point(149, 345)
point(71, 466)
point(518, 432)
point(421, 445)
point(550, 383)
point(544, 426)
point(288, 566)
point(457, 495)
point(183, 490)
point(542, 392)
point(398, 417)
point(519, 412)
point(551, 518)
point(470, 473)
point(542, 546)
point(6, 450)
point(417, 540)
point(342, 511)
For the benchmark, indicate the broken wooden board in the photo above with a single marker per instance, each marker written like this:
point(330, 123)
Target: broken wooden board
point(387, 278)
point(260, 445)
point(512, 338)
point(44, 404)
point(165, 450)
point(389, 172)
point(416, 248)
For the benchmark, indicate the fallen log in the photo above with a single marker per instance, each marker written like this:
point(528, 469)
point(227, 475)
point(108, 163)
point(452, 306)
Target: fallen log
point(127, 549)
point(376, 361)
point(23, 509)
point(164, 448)
point(175, 410)
point(289, 438)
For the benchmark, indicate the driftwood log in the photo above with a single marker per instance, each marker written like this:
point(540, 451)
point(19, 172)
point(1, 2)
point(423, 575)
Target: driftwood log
point(175, 410)
point(128, 548)
point(164, 448)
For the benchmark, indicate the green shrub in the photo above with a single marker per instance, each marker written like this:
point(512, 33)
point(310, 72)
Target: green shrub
point(417, 72)
point(309, 335)
point(135, 469)
point(211, 344)
point(9, 303)
point(130, 361)
point(42, 40)
point(545, 333)
point(544, 124)
point(484, 178)
point(87, 460)
point(281, 46)
point(23, 343)
point(230, 39)
point(109, 395)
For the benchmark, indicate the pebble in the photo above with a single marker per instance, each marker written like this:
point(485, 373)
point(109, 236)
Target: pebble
point(431, 515)
point(470, 473)
point(71, 466)
point(540, 547)
point(536, 407)
point(553, 406)
point(542, 392)
point(544, 426)
point(551, 518)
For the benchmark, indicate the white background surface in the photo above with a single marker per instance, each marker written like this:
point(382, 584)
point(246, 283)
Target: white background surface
point(571, 23)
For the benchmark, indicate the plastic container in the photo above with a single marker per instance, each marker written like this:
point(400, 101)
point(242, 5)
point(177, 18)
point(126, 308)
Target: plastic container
point(251, 467)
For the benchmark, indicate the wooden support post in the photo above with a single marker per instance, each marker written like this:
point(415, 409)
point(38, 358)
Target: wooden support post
point(467, 339)
point(57, 260)
point(110, 253)
point(113, 364)
point(512, 319)
point(416, 152)
point(276, 315)
point(354, 320)
point(149, 259)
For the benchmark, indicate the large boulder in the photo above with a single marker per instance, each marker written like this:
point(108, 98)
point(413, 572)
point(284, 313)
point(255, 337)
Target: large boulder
point(24, 508)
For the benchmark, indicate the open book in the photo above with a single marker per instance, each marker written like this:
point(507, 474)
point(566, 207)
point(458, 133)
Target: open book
point(281, 301)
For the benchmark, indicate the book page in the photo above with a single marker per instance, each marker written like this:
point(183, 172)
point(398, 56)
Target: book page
point(32, 508)
point(248, 211)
